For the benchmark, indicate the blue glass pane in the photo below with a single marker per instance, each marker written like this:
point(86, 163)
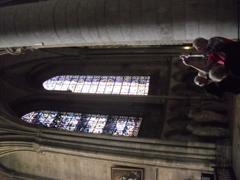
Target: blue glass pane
point(91, 123)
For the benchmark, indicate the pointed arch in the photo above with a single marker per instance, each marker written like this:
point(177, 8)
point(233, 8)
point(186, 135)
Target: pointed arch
point(127, 85)
point(90, 123)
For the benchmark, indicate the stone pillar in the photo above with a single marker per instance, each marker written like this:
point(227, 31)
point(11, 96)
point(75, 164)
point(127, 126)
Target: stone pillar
point(107, 22)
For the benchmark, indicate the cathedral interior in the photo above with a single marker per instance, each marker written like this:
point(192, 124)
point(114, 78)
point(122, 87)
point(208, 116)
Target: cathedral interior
point(163, 125)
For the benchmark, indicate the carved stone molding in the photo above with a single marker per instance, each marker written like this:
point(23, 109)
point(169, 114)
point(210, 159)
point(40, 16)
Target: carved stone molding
point(208, 131)
point(178, 123)
point(122, 149)
point(188, 90)
point(184, 76)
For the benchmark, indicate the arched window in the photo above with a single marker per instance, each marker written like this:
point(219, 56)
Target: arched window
point(91, 123)
point(127, 85)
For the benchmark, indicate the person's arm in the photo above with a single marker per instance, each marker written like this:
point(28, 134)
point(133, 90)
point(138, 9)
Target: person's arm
point(202, 74)
point(196, 66)
point(192, 54)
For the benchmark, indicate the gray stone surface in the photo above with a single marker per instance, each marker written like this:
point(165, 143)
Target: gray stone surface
point(91, 22)
point(234, 104)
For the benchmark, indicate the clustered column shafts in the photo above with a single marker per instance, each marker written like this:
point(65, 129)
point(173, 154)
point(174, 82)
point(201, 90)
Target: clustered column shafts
point(152, 152)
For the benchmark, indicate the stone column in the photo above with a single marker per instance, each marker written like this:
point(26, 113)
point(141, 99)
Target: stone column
point(107, 22)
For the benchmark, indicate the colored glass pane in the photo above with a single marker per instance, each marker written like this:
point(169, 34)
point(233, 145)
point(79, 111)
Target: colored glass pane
point(127, 85)
point(91, 123)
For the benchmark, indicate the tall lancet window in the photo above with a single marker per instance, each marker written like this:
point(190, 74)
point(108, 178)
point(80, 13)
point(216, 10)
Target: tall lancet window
point(127, 85)
point(90, 123)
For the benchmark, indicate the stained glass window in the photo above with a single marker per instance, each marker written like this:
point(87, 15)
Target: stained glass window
point(127, 85)
point(91, 123)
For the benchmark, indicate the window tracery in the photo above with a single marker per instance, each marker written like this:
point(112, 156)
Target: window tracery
point(91, 123)
point(127, 85)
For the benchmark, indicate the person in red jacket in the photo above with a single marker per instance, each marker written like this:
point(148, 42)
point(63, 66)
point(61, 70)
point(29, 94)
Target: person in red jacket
point(213, 45)
point(215, 49)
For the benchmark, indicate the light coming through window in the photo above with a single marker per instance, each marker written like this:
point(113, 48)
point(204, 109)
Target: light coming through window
point(91, 123)
point(127, 85)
